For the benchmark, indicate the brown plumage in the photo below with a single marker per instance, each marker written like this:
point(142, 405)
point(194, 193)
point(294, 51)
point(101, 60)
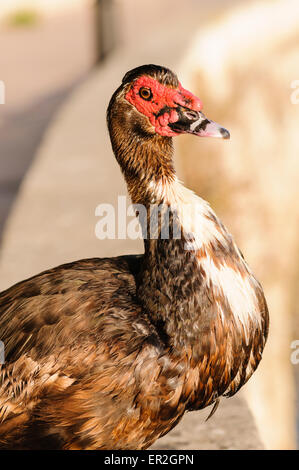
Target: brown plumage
point(110, 353)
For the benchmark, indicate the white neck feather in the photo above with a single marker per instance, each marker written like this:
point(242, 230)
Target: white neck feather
point(233, 282)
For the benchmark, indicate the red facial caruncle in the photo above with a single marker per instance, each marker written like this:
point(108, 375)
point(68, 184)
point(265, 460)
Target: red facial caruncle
point(159, 102)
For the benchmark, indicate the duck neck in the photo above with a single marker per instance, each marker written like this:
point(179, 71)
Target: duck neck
point(170, 276)
point(170, 281)
point(144, 158)
point(167, 285)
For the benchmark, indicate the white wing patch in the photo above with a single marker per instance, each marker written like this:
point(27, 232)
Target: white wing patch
point(239, 291)
point(195, 217)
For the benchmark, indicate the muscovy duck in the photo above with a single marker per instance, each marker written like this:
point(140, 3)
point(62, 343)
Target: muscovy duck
point(110, 353)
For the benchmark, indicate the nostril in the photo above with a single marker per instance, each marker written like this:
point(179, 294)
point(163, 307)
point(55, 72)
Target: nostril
point(191, 114)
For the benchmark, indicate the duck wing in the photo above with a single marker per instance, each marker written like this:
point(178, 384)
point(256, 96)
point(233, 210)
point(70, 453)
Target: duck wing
point(71, 335)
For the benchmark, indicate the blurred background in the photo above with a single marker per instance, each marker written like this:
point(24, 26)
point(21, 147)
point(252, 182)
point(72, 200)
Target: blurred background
point(58, 59)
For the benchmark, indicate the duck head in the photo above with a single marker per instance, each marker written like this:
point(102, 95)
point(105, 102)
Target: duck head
point(158, 104)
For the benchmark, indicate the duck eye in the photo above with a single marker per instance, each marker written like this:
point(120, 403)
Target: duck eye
point(146, 93)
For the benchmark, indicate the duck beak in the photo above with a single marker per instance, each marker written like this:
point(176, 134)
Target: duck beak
point(195, 122)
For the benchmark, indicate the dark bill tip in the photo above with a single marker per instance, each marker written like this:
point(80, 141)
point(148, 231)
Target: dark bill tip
point(224, 133)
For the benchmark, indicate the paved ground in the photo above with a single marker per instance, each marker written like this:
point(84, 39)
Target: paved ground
point(53, 220)
point(39, 68)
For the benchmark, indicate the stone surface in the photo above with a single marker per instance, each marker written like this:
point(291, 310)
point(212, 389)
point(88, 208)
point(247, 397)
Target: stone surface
point(231, 427)
point(39, 69)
